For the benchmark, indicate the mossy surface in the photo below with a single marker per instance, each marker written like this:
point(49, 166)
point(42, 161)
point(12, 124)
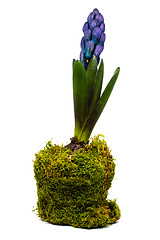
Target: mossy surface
point(72, 187)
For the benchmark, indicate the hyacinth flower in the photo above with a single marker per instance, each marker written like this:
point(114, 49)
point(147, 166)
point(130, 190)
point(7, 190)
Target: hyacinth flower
point(89, 101)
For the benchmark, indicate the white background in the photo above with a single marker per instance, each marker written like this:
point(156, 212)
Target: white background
point(38, 40)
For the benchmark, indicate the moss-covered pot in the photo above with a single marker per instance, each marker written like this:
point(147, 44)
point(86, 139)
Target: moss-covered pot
point(72, 187)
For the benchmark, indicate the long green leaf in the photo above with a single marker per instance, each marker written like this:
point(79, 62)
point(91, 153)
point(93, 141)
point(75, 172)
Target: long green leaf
point(90, 80)
point(79, 95)
point(97, 86)
point(94, 116)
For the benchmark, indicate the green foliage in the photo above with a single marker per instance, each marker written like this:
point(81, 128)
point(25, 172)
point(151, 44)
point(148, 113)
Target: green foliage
point(90, 80)
point(97, 86)
point(72, 187)
point(98, 108)
point(79, 95)
point(88, 100)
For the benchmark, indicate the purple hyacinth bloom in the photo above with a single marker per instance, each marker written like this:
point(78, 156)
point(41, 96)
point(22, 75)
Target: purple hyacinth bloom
point(99, 18)
point(102, 27)
point(102, 39)
point(87, 35)
point(83, 44)
point(98, 50)
point(82, 59)
point(95, 11)
point(96, 34)
point(89, 49)
point(92, 42)
point(93, 24)
point(85, 26)
point(90, 17)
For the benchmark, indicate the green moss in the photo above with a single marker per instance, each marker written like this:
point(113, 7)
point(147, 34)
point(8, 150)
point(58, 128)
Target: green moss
point(72, 187)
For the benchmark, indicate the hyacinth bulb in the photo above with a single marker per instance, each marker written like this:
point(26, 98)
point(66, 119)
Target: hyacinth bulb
point(92, 43)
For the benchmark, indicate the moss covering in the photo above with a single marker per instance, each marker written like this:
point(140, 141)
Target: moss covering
point(72, 187)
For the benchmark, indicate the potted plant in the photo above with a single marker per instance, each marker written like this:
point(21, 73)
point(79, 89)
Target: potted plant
point(73, 180)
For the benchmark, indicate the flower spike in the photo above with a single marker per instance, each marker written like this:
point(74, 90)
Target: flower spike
point(94, 34)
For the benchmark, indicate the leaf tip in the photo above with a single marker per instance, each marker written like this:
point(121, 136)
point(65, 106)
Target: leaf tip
point(118, 70)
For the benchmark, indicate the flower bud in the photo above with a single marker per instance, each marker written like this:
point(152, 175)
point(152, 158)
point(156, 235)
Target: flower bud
point(102, 27)
point(102, 39)
point(99, 18)
point(93, 24)
point(82, 57)
point(98, 50)
point(95, 11)
point(96, 34)
point(90, 17)
point(89, 49)
point(87, 35)
point(83, 44)
point(85, 26)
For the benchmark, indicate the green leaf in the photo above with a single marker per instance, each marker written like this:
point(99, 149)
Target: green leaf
point(90, 81)
point(97, 86)
point(95, 114)
point(79, 95)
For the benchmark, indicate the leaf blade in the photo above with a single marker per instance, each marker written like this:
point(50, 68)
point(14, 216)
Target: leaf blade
point(97, 86)
point(90, 80)
point(79, 95)
point(94, 116)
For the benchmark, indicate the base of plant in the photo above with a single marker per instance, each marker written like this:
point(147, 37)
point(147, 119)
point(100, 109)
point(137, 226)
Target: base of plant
point(82, 216)
point(75, 145)
point(72, 186)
